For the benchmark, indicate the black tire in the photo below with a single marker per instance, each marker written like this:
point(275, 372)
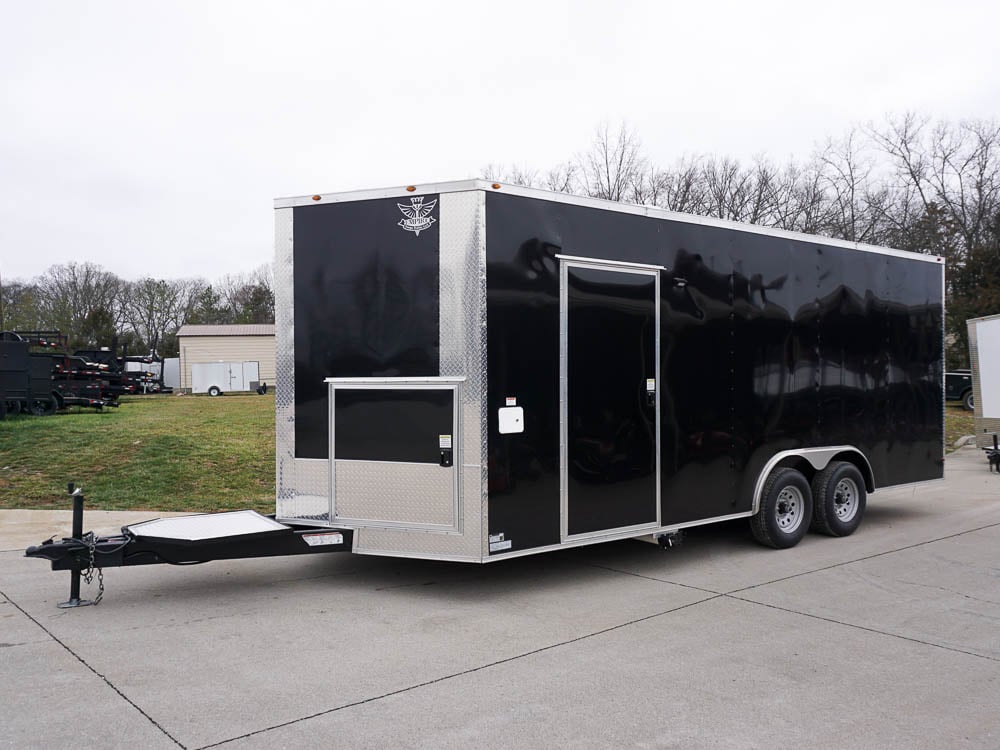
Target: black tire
point(785, 509)
point(839, 499)
point(13, 408)
point(43, 407)
point(967, 403)
point(3, 410)
point(215, 391)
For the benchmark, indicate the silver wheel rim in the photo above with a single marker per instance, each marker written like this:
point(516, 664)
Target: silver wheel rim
point(845, 500)
point(788, 510)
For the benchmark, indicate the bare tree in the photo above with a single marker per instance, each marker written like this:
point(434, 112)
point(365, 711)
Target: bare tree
point(82, 300)
point(804, 207)
point(680, 187)
point(613, 169)
point(249, 297)
point(562, 178)
point(947, 169)
point(857, 199)
point(20, 306)
point(512, 175)
point(155, 309)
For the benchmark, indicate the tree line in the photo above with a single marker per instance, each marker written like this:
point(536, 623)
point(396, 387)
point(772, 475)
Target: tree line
point(908, 182)
point(94, 307)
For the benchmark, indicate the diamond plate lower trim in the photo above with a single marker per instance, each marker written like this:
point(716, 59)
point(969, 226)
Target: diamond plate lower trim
point(395, 493)
point(430, 544)
point(307, 484)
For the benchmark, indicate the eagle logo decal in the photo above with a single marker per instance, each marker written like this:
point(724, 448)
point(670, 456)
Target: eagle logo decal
point(416, 216)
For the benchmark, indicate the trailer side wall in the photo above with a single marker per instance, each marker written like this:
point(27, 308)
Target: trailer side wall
point(767, 344)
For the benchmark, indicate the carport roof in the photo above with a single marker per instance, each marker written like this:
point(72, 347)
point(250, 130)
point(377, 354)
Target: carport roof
point(254, 329)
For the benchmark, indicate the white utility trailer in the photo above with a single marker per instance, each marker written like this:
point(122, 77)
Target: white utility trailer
point(216, 378)
point(172, 372)
point(984, 355)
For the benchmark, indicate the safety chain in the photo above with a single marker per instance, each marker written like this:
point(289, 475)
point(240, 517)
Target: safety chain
point(88, 575)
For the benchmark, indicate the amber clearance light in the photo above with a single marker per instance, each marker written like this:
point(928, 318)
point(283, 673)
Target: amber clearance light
point(317, 197)
point(410, 188)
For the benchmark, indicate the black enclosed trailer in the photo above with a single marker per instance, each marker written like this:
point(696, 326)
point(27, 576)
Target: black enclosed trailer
point(472, 371)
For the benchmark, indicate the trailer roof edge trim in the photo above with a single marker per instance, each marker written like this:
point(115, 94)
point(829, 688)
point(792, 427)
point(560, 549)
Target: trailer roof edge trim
point(402, 191)
point(984, 318)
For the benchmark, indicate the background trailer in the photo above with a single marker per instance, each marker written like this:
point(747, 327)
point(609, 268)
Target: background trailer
point(471, 371)
point(984, 355)
point(225, 343)
point(216, 378)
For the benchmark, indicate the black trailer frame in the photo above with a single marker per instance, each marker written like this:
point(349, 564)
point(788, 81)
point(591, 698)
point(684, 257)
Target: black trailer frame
point(149, 543)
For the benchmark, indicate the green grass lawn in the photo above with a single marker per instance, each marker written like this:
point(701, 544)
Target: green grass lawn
point(167, 453)
point(957, 423)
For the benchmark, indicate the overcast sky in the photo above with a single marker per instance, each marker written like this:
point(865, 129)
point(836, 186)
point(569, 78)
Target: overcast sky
point(152, 138)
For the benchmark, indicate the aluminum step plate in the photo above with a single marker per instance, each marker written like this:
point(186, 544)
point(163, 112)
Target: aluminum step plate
point(206, 526)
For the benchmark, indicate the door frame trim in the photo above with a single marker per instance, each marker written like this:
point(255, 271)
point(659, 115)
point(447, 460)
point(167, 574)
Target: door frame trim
point(565, 263)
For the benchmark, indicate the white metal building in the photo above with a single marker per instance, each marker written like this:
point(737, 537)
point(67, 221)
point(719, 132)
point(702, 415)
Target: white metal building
point(226, 343)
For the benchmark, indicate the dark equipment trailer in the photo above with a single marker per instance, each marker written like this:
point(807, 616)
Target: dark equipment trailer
point(132, 379)
point(26, 378)
point(35, 378)
point(473, 371)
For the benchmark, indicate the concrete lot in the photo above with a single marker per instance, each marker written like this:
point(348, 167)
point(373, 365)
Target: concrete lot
point(888, 638)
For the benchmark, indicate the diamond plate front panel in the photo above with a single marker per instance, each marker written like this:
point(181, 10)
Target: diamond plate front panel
point(463, 354)
point(302, 486)
point(407, 494)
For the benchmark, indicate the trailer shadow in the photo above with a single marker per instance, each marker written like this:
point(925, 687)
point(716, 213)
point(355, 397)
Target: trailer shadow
point(727, 545)
point(890, 514)
point(547, 574)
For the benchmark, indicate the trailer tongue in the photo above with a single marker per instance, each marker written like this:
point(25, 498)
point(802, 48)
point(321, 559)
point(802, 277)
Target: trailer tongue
point(183, 540)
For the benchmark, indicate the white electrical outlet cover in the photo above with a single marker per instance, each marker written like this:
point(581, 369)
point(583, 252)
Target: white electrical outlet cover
point(511, 419)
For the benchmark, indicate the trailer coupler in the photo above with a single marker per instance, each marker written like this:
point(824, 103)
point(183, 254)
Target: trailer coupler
point(182, 540)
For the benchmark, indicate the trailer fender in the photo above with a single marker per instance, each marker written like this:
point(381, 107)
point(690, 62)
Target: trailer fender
point(817, 459)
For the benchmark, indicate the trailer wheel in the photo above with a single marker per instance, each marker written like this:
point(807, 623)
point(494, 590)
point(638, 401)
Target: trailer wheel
point(840, 498)
point(967, 401)
point(43, 407)
point(3, 409)
point(13, 408)
point(215, 391)
point(785, 509)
